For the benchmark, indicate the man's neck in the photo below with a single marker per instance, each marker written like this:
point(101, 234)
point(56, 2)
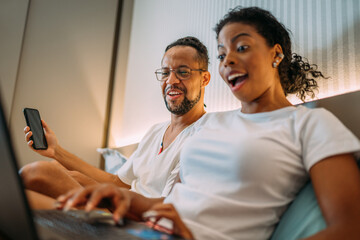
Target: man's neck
point(180, 122)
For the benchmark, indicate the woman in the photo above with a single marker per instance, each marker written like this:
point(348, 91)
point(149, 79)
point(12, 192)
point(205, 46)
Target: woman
point(244, 167)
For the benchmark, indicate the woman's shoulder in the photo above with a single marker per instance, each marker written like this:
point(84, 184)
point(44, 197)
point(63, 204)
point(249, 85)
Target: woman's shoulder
point(303, 112)
point(318, 119)
point(313, 113)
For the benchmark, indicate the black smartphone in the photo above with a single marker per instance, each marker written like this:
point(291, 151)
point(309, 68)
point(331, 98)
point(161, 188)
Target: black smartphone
point(33, 120)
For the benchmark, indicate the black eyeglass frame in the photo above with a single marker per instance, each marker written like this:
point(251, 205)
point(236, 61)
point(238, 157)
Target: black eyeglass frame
point(160, 71)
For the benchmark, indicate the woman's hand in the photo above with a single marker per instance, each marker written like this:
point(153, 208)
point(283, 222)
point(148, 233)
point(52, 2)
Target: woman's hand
point(116, 199)
point(168, 211)
point(50, 139)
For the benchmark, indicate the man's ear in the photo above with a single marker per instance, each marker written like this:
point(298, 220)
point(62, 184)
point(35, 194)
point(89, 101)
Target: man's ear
point(205, 79)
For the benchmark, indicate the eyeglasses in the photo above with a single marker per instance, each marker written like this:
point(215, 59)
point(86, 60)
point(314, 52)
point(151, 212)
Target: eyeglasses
point(182, 73)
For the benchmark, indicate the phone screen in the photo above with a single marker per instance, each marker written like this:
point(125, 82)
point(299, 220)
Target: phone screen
point(33, 120)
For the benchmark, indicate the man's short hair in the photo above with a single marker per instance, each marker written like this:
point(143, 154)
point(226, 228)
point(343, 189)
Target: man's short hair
point(202, 52)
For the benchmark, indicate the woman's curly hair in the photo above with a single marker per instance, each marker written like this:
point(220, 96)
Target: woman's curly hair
point(297, 75)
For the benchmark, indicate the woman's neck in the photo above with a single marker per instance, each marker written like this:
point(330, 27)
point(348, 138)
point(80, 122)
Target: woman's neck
point(267, 102)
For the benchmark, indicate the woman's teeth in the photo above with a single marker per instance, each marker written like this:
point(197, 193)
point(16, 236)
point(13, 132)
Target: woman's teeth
point(236, 75)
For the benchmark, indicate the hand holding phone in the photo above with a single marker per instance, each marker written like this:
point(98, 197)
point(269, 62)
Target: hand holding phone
point(33, 120)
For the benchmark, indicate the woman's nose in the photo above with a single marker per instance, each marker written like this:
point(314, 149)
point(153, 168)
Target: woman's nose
point(229, 60)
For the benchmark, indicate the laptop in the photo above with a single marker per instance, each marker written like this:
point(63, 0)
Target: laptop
point(18, 221)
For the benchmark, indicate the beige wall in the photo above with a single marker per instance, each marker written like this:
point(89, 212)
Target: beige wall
point(12, 24)
point(119, 91)
point(64, 72)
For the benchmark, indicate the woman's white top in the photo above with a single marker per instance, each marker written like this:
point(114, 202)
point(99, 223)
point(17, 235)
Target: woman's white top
point(239, 172)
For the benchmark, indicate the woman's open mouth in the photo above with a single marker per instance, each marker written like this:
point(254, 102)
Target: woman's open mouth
point(237, 79)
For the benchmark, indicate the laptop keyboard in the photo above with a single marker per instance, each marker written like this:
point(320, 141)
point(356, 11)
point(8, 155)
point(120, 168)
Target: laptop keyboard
point(73, 226)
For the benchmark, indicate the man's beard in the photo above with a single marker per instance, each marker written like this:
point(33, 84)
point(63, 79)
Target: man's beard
point(185, 106)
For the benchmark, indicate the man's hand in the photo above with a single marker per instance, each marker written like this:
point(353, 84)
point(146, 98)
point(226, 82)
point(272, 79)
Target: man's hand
point(110, 196)
point(50, 138)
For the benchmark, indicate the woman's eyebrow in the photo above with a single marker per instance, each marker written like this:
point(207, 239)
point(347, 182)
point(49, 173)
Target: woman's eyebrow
point(239, 35)
point(234, 39)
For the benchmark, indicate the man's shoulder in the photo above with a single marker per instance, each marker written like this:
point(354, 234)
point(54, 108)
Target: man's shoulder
point(158, 126)
point(155, 130)
point(211, 117)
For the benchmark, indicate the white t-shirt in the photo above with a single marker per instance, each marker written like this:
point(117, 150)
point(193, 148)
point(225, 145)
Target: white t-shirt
point(152, 174)
point(240, 171)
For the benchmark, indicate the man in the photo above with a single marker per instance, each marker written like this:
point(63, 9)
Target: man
point(153, 168)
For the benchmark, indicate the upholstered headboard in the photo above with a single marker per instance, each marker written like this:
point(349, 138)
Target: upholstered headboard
point(303, 217)
point(346, 107)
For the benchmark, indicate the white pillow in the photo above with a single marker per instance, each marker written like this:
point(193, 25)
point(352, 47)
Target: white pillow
point(113, 159)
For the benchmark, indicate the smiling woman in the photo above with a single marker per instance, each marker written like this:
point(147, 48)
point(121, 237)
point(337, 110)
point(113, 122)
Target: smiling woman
point(259, 48)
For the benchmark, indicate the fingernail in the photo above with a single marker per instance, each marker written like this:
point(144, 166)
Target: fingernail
point(120, 222)
point(57, 205)
point(89, 207)
point(67, 206)
point(149, 214)
point(61, 198)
